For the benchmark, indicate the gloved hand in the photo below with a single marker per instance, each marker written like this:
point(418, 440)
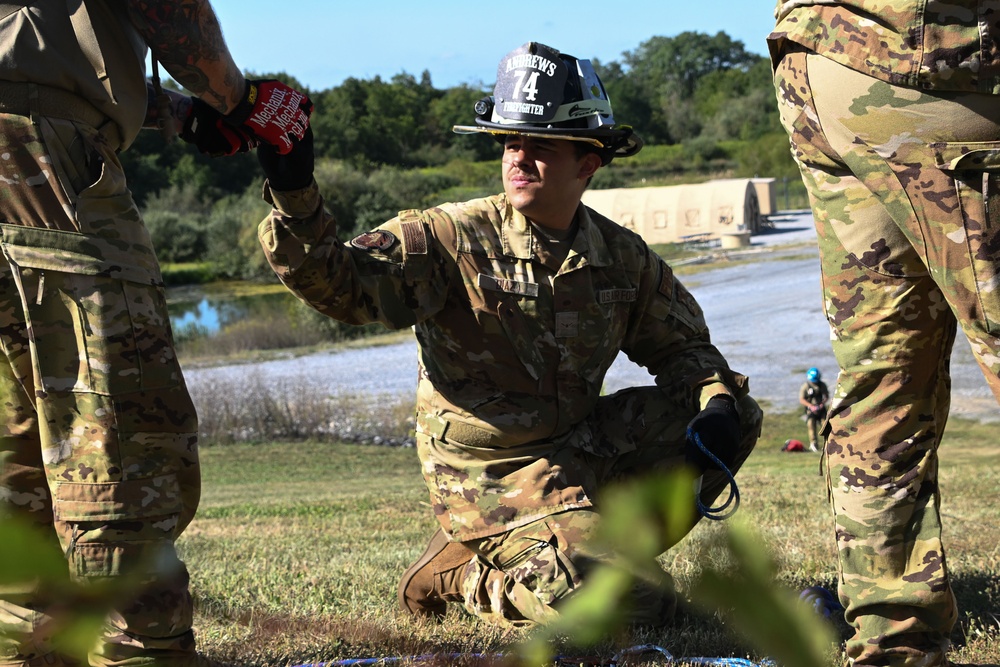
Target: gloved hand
point(288, 171)
point(718, 428)
point(204, 127)
point(272, 112)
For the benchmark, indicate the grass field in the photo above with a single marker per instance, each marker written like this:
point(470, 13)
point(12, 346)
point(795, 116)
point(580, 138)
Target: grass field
point(297, 549)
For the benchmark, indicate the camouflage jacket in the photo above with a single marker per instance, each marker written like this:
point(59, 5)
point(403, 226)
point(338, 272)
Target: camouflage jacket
point(949, 45)
point(513, 346)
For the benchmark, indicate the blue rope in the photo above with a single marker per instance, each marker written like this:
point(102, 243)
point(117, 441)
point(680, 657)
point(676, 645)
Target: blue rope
point(716, 513)
point(560, 660)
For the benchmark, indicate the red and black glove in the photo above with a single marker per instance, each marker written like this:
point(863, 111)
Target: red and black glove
point(273, 113)
point(206, 129)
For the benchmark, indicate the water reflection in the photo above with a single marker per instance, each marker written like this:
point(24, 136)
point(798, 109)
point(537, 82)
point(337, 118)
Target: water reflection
point(195, 312)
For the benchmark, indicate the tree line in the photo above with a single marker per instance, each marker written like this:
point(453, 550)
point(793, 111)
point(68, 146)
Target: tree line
point(703, 104)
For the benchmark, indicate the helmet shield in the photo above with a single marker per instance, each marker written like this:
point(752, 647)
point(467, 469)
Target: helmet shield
point(530, 88)
point(542, 92)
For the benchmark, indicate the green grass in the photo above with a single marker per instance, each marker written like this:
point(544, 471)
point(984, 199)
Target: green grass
point(297, 549)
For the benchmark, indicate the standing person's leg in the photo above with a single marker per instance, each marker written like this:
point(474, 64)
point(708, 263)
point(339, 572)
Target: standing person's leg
point(812, 425)
point(901, 259)
point(117, 429)
point(24, 492)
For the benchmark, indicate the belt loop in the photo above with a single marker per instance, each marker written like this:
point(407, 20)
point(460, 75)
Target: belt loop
point(34, 108)
point(434, 425)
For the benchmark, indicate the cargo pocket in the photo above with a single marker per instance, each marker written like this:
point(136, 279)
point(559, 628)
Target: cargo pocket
point(798, 114)
point(119, 527)
point(98, 322)
point(975, 171)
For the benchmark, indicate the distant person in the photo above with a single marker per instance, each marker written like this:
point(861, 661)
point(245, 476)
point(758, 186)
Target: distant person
point(893, 109)
point(813, 397)
point(520, 303)
point(99, 448)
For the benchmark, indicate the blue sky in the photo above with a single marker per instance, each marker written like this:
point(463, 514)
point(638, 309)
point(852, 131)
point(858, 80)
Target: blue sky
point(322, 42)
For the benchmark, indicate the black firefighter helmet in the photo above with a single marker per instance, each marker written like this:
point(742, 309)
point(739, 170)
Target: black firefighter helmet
point(543, 93)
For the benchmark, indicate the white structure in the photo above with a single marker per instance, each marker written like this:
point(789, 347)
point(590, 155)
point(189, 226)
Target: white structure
point(674, 214)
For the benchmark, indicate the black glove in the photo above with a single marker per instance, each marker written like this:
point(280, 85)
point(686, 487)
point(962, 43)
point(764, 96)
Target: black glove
point(289, 171)
point(718, 429)
point(204, 127)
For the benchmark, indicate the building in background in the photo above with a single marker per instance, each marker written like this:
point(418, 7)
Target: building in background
point(728, 210)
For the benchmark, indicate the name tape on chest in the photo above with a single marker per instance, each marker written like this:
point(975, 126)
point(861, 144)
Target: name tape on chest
point(507, 286)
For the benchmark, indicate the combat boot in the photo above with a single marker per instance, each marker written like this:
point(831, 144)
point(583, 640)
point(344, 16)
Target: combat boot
point(435, 579)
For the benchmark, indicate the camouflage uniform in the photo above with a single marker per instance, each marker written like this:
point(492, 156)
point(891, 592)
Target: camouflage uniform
point(893, 117)
point(99, 433)
point(512, 432)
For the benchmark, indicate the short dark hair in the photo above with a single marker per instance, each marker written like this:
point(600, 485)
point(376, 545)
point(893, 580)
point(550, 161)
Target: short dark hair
point(584, 149)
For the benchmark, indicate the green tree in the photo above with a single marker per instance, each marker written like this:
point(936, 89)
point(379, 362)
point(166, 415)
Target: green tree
point(663, 74)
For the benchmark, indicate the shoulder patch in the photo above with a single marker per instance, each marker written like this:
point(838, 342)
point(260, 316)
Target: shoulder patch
point(376, 241)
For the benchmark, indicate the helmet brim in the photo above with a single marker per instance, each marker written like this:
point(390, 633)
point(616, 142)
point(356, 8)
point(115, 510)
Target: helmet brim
point(620, 141)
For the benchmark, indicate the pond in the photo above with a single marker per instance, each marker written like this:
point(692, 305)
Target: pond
point(205, 310)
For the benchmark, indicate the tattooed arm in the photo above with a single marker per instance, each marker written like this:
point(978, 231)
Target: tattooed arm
point(185, 36)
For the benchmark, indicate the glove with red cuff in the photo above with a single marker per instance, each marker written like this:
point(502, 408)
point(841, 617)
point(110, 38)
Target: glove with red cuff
point(273, 113)
point(206, 128)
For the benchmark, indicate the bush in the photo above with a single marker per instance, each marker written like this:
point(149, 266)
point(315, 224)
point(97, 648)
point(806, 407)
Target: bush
point(231, 237)
point(251, 408)
point(177, 237)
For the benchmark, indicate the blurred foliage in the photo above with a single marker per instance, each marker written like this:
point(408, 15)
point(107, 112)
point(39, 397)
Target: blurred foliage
point(640, 521)
point(31, 564)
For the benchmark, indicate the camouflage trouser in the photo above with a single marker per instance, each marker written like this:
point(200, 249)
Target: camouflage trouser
point(520, 576)
point(98, 443)
point(901, 184)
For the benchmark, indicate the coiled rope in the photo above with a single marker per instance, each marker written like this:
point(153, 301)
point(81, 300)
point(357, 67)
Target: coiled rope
point(719, 512)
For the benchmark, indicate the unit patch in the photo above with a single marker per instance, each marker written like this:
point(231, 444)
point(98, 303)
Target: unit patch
point(376, 241)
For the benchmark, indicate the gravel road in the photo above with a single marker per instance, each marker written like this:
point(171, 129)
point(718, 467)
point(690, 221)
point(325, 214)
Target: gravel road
point(765, 316)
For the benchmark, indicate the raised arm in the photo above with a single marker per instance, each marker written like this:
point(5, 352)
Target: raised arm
point(185, 36)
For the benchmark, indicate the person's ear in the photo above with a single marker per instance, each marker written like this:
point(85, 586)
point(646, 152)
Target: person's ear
point(589, 165)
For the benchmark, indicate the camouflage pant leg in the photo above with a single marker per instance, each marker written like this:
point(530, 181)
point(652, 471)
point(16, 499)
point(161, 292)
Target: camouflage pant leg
point(896, 179)
point(649, 429)
point(521, 575)
point(99, 437)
